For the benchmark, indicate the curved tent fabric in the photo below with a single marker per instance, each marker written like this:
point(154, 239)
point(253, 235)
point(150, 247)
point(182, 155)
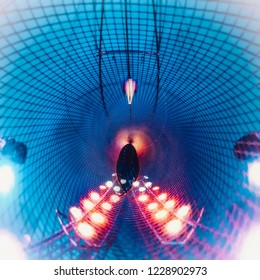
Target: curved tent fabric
point(63, 68)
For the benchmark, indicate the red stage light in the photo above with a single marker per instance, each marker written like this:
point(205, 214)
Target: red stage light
point(76, 213)
point(97, 218)
point(143, 198)
point(173, 227)
point(107, 206)
point(85, 230)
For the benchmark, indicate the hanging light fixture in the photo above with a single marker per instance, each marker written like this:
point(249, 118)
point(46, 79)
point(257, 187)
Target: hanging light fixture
point(130, 88)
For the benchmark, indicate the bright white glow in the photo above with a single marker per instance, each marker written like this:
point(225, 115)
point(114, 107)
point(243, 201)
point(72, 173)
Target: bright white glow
point(130, 87)
point(254, 173)
point(7, 178)
point(94, 196)
point(146, 177)
point(136, 184)
point(183, 211)
point(148, 184)
point(102, 187)
point(250, 247)
point(143, 198)
point(117, 189)
point(97, 218)
point(161, 215)
point(173, 227)
point(87, 205)
point(76, 213)
point(162, 197)
point(169, 204)
point(142, 189)
point(123, 181)
point(107, 206)
point(109, 184)
point(152, 206)
point(27, 239)
point(10, 247)
point(2, 143)
point(156, 188)
point(114, 198)
point(85, 230)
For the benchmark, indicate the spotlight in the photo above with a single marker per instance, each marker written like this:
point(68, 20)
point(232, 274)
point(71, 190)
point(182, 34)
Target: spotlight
point(136, 183)
point(142, 189)
point(254, 173)
point(10, 247)
point(183, 211)
point(87, 205)
point(152, 206)
point(109, 184)
point(161, 214)
point(76, 213)
point(97, 218)
point(173, 227)
point(102, 187)
point(15, 151)
point(114, 198)
point(7, 178)
point(116, 188)
point(162, 197)
point(143, 198)
point(94, 196)
point(85, 230)
point(130, 88)
point(249, 249)
point(107, 206)
point(169, 204)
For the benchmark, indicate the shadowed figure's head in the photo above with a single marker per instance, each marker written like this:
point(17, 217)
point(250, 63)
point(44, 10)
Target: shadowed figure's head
point(127, 166)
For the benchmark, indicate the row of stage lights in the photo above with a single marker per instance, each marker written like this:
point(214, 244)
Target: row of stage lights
point(93, 219)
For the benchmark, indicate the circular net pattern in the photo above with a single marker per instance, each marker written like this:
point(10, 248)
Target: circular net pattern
point(196, 67)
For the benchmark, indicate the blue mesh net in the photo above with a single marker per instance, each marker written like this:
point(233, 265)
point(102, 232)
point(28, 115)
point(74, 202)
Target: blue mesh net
point(63, 67)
